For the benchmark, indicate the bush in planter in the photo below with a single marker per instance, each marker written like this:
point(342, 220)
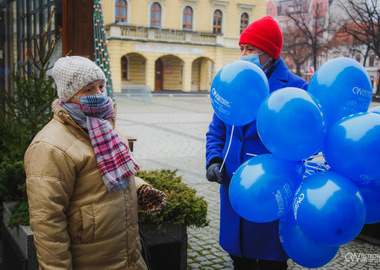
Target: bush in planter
point(183, 206)
point(12, 180)
point(165, 232)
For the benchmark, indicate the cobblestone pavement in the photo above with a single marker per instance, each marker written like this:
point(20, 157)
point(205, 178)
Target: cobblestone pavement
point(170, 133)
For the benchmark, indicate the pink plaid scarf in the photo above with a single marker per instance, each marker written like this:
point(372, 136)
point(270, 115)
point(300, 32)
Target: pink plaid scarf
point(113, 157)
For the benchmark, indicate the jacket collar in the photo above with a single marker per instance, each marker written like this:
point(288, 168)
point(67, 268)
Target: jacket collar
point(280, 76)
point(63, 116)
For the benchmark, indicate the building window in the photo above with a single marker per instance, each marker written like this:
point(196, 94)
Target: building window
point(321, 21)
point(358, 58)
point(155, 15)
point(124, 68)
point(243, 21)
point(187, 18)
point(121, 11)
point(217, 23)
point(371, 60)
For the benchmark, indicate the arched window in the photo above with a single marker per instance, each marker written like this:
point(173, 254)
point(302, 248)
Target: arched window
point(243, 21)
point(187, 18)
point(371, 61)
point(155, 15)
point(121, 11)
point(358, 58)
point(217, 23)
point(124, 68)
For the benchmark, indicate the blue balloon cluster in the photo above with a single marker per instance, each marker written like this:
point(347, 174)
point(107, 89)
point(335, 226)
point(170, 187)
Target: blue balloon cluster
point(326, 129)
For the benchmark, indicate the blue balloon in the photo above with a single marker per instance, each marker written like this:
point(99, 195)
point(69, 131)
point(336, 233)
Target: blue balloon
point(262, 188)
point(375, 109)
point(301, 248)
point(329, 208)
point(352, 146)
point(370, 191)
point(343, 87)
point(237, 92)
point(290, 124)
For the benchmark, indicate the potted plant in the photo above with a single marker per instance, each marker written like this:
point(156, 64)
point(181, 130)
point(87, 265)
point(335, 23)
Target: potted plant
point(164, 233)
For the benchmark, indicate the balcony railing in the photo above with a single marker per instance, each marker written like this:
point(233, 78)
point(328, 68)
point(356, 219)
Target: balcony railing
point(140, 33)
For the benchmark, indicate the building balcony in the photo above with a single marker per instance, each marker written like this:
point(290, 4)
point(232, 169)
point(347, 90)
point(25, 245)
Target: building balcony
point(140, 33)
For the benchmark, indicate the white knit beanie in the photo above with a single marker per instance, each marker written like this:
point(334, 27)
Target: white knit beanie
point(72, 73)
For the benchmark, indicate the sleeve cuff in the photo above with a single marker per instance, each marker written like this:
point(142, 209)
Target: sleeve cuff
point(214, 160)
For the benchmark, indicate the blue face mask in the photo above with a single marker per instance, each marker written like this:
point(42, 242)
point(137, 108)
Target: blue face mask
point(97, 100)
point(254, 58)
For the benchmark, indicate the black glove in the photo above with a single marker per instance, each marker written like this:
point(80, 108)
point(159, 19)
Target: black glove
point(213, 173)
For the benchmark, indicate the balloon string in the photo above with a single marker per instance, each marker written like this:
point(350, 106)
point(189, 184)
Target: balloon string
point(228, 149)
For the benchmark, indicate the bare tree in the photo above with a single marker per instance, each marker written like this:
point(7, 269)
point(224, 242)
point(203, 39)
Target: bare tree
point(363, 24)
point(312, 26)
point(295, 48)
point(352, 46)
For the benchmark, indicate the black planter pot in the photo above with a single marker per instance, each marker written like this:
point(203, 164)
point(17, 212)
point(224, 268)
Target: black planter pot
point(167, 247)
point(371, 233)
point(18, 251)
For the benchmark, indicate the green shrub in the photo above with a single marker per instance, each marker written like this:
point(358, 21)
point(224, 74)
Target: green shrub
point(20, 214)
point(28, 106)
point(27, 109)
point(12, 180)
point(183, 206)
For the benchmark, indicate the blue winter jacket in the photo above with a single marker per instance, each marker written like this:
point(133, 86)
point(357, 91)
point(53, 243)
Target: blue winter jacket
point(238, 236)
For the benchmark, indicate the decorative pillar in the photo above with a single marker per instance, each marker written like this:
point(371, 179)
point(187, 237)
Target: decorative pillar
point(187, 70)
point(150, 73)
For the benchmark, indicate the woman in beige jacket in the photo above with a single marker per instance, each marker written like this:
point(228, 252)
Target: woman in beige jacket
point(81, 189)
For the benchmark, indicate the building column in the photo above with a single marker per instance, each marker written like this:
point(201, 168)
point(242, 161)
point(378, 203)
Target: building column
point(115, 70)
point(187, 69)
point(150, 73)
point(204, 74)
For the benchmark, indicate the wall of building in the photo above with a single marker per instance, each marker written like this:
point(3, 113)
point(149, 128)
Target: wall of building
point(190, 58)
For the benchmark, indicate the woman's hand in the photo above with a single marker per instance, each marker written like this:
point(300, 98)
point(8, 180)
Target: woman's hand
point(150, 200)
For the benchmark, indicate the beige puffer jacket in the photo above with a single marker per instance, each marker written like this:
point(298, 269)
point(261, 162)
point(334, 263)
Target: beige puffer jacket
point(77, 223)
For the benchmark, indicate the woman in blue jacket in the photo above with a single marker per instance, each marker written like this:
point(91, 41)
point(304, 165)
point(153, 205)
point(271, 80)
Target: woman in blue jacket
point(250, 245)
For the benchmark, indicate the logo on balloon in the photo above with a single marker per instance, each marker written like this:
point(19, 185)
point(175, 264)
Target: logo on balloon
point(237, 91)
point(297, 204)
point(220, 99)
point(362, 92)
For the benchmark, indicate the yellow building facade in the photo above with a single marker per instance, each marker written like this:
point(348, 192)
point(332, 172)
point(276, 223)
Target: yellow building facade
point(174, 44)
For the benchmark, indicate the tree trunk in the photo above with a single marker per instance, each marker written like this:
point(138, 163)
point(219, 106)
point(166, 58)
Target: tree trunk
point(298, 70)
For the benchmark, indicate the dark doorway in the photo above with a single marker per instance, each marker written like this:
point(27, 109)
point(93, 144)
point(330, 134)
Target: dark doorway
point(159, 75)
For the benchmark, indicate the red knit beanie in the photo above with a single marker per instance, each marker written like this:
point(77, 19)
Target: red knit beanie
point(264, 34)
